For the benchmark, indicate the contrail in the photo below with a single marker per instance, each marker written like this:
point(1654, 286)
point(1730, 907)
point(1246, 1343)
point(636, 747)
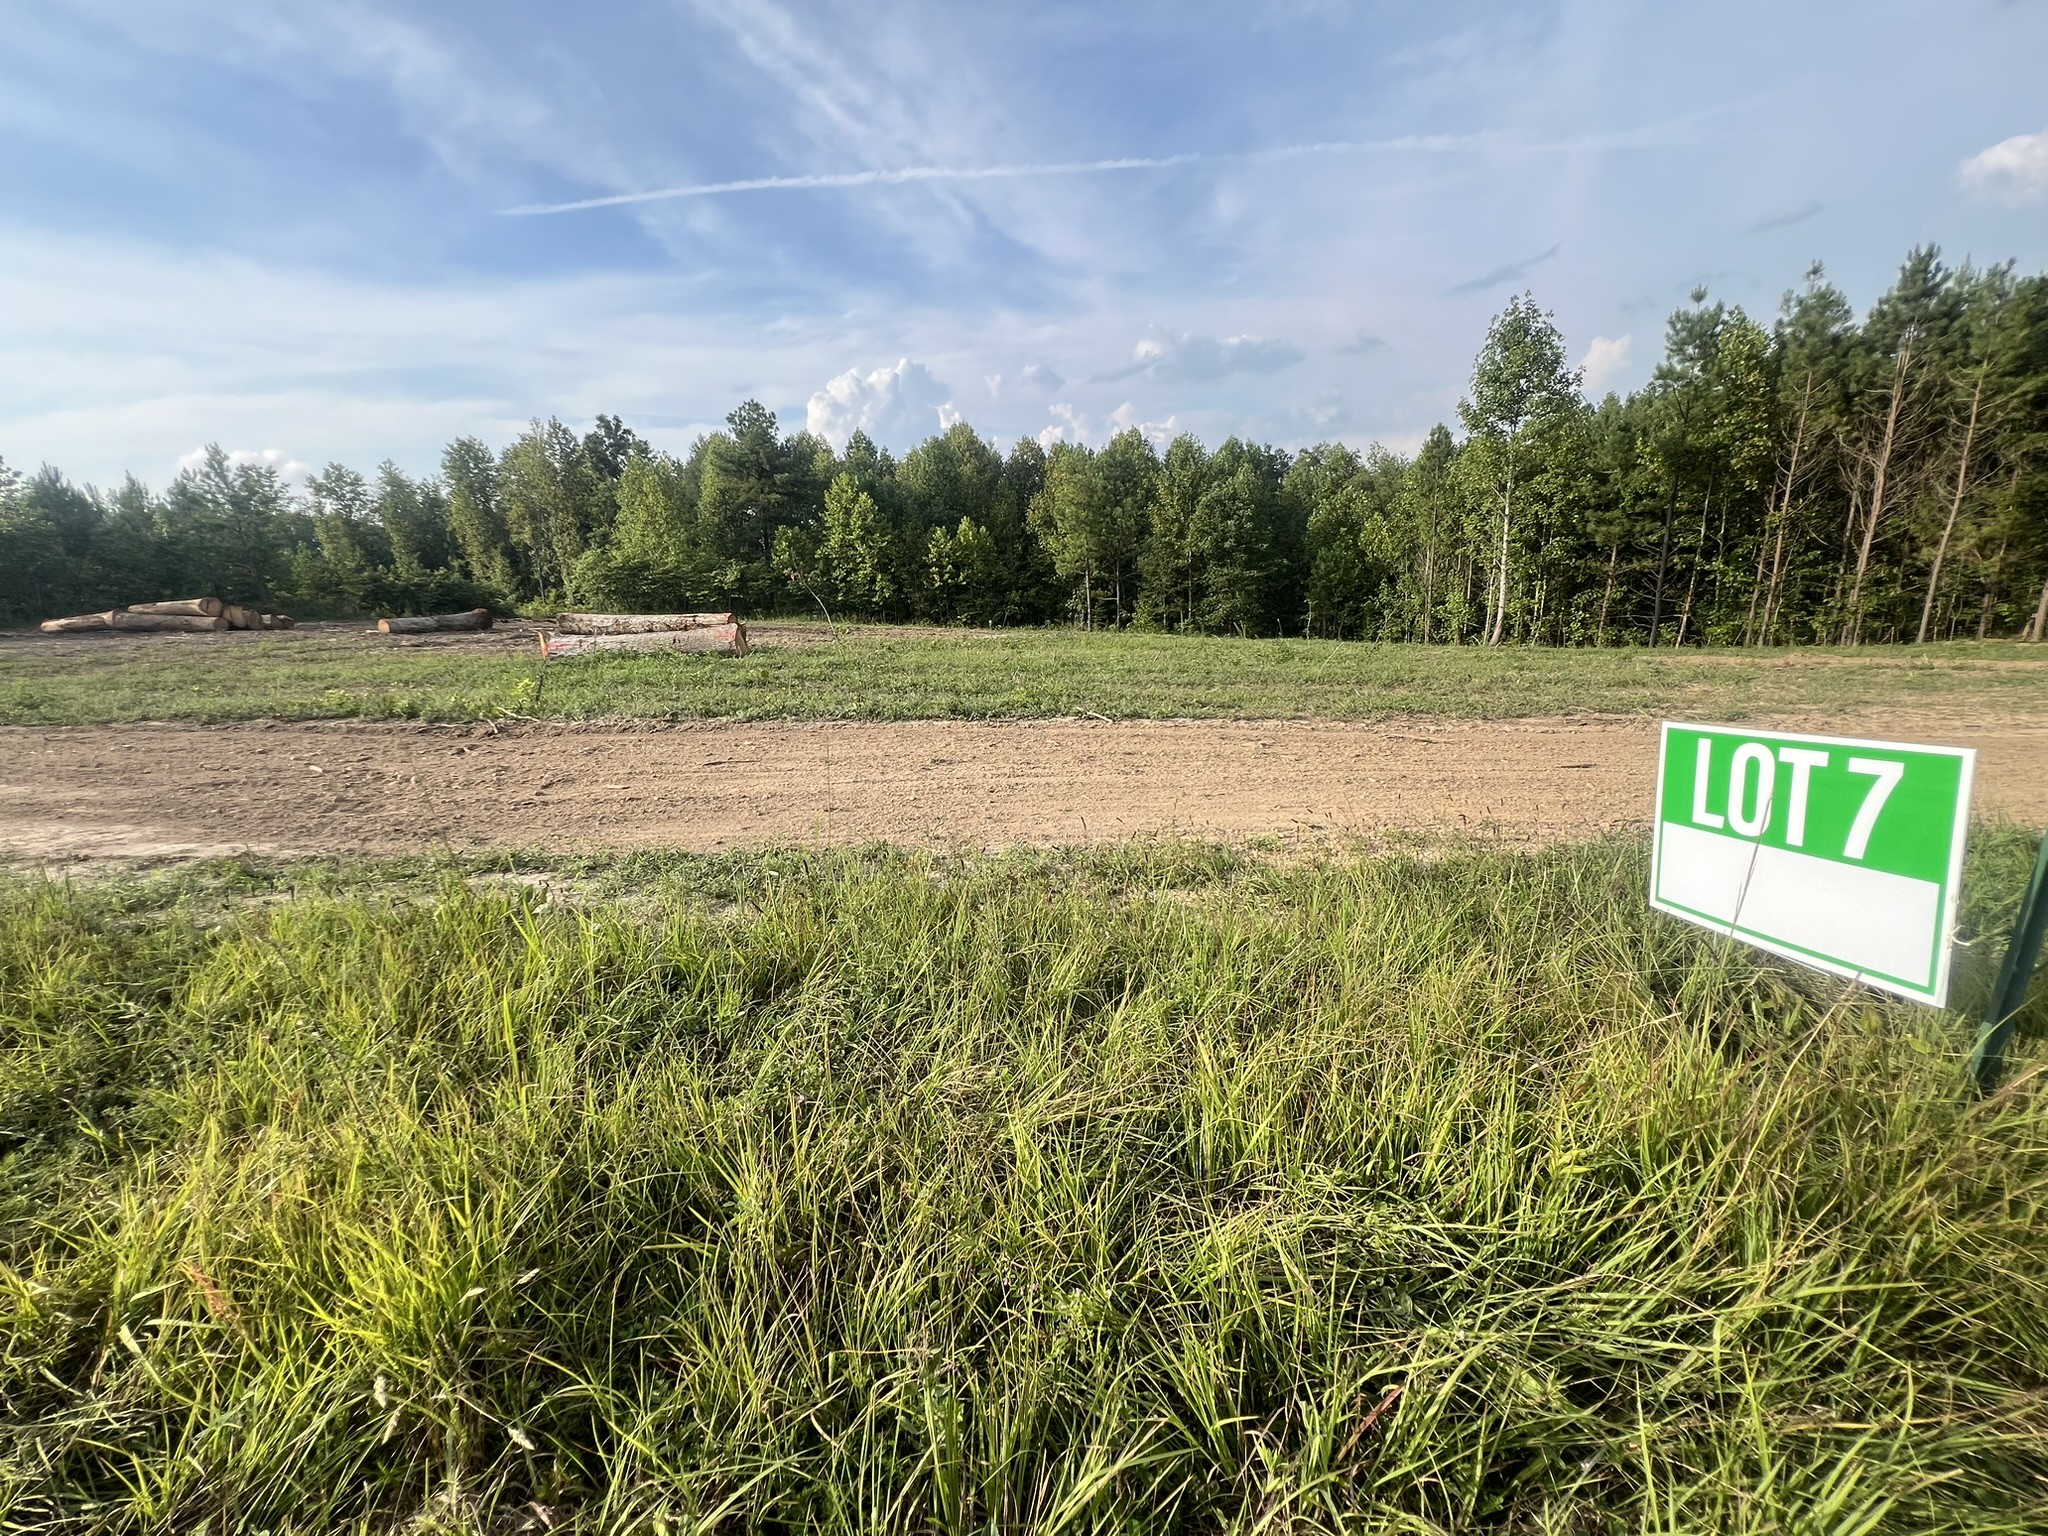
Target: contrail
point(1427, 143)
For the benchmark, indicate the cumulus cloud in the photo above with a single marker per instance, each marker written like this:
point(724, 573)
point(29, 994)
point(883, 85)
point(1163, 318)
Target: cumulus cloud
point(900, 405)
point(2014, 170)
point(274, 458)
point(1186, 359)
point(1606, 359)
point(1364, 342)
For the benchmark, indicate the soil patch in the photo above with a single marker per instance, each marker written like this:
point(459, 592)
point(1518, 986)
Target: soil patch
point(168, 791)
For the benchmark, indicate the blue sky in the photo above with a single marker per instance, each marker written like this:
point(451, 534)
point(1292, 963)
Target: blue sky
point(285, 227)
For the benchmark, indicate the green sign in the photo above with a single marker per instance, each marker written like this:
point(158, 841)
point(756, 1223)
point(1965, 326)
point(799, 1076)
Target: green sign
point(1846, 855)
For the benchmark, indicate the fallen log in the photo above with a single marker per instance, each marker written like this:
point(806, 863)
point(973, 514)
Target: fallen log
point(239, 617)
point(77, 622)
point(636, 623)
point(476, 618)
point(167, 623)
point(197, 607)
point(276, 620)
point(718, 639)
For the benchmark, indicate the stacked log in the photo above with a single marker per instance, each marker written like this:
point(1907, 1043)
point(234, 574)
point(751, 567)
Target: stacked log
point(184, 607)
point(637, 623)
point(718, 639)
point(77, 622)
point(476, 618)
point(167, 623)
point(185, 615)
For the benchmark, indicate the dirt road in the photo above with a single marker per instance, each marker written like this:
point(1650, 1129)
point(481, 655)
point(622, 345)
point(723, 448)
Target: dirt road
point(169, 791)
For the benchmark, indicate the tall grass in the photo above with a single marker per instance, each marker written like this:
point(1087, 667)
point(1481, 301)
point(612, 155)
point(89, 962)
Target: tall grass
point(1157, 1190)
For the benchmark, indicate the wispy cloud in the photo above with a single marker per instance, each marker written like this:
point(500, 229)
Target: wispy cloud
point(1513, 272)
point(1363, 342)
point(903, 175)
point(1203, 359)
point(1785, 219)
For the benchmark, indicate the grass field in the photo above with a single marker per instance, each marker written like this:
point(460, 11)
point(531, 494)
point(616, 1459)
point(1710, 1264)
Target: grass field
point(1153, 1188)
point(894, 674)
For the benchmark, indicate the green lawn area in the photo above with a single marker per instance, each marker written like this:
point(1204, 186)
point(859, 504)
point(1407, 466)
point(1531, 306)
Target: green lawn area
point(892, 674)
point(1158, 1188)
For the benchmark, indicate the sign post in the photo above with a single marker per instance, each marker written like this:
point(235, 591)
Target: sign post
point(1843, 855)
point(1988, 1060)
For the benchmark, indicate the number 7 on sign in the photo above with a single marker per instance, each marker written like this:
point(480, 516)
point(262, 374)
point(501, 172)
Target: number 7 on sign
point(1885, 774)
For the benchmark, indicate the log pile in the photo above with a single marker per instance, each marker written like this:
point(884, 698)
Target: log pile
point(428, 623)
point(583, 634)
point(185, 615)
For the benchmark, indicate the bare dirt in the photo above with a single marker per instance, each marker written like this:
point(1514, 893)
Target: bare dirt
point(170, 791)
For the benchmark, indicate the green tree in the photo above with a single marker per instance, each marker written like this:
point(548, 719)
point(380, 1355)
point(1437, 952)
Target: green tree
point(1520, 382)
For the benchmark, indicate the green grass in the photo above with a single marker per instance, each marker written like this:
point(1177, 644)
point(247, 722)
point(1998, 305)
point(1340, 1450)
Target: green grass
point(890, 674)
point(1141, 1189)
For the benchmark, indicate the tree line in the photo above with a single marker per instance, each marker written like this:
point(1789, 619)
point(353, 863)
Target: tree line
point(1824, 478)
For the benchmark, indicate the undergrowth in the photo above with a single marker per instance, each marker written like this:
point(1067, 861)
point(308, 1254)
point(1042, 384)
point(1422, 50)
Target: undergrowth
point(1168, 1190)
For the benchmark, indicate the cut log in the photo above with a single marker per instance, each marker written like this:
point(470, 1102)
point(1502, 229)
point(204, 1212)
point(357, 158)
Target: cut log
point(636, 623)
point(77, 622)
point(199, 607)
point(719, 639)
point(476, 618)
point(276, 620)
point(239, 617)
point(167, 623)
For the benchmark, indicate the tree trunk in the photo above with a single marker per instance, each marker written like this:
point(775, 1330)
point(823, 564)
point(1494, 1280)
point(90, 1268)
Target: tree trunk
point(1692, 583)
point(1607, 596)
point(1784, 510)
point(720, 639)
point(1879, 473)
point(2037, 627)
point(78, 622)
point(1991, 587)
point(200, 607)
point(476, 618)
point(167, 623)
point(1500, 607)
point(1955, 507)
point(635, 623)
point(1663, 560)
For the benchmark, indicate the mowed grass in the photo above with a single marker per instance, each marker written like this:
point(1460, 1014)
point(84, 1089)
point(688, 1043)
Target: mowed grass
point(802, 673)
point(1145, 1189)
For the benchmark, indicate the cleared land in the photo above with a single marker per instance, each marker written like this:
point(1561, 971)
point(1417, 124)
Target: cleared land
point(381, 787)
point(1135, 1190)
point(810, 673)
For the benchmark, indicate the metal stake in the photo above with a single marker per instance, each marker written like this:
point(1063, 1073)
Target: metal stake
point(1988, 1060)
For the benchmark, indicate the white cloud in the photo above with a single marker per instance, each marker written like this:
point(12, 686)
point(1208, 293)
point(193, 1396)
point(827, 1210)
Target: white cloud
point(1067, 426)
point(1186, 359)
point(2014, 170)
point(275, 458)
point(1031, 379)
point(896, 406)
point(1157, 433)
point(1604, 361)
